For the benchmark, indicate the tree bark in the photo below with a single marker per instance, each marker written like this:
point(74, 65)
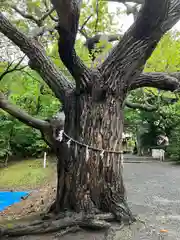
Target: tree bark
point(93, 180)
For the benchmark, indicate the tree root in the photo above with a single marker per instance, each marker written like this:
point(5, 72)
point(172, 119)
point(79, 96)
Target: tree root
point(66, 231)
point(42, 227)
point(109, 217)
point(63, 224)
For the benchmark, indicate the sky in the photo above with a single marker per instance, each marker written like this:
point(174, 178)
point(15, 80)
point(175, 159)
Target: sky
point(126, 21)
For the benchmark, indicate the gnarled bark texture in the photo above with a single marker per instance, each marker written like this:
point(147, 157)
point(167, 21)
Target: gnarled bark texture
point(92, 182)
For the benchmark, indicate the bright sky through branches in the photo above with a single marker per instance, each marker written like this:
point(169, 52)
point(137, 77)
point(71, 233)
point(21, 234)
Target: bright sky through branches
point(125, 21)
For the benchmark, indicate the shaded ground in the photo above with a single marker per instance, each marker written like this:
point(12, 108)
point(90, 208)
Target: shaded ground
point(154, 193)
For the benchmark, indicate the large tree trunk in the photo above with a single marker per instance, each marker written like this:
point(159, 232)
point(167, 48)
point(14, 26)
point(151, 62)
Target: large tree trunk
point(90, 179)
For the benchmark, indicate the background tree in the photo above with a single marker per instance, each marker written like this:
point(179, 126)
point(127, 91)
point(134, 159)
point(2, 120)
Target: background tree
point(32, 95)
point(89, 166)
point(157, 112)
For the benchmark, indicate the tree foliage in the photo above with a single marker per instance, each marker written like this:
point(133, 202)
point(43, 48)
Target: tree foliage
point(166, 118)
point(26, 90)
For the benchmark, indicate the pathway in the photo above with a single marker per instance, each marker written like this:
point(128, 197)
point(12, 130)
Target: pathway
point(154, 192)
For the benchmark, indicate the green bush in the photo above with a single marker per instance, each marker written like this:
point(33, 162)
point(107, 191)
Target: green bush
point(19, 140)
point(27, 142)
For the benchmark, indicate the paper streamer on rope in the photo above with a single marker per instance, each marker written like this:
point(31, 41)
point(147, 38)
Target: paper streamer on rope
point(122, 160)
point(76, 143)
point(69, 143)
point(60, 136)
point(117, 170)
point(102, 154)
point(88, 176)
point(108, 160)
point(87, 153)
point(75, 150)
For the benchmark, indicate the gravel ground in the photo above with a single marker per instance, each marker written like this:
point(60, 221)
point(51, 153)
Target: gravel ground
point(154, 193)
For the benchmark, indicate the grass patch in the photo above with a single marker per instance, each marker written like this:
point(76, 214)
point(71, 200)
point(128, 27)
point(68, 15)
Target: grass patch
point(27, 174)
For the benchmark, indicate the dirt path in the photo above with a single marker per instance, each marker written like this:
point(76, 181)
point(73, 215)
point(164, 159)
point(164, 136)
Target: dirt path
point(36, 202)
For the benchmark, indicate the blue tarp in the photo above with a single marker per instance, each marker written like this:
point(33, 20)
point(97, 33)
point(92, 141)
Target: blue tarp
point(9, 198)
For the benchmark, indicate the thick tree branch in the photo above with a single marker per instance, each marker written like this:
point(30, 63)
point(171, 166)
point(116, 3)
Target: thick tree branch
point(68, 14)
point(21, 115)
point(127, 59)
point(164, 81)
point(144, 107)
point(38, 59)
